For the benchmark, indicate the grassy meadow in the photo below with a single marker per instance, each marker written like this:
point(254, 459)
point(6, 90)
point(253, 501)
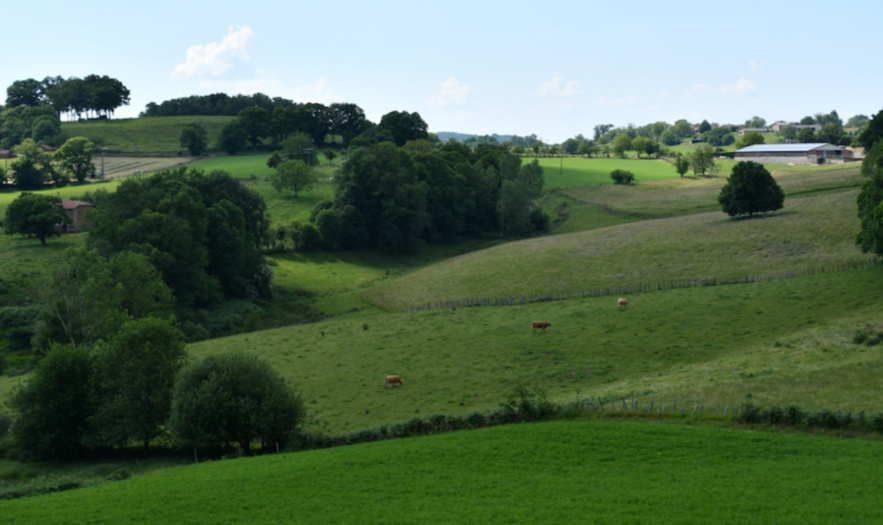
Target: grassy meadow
point(565, 472)
point(142, 136)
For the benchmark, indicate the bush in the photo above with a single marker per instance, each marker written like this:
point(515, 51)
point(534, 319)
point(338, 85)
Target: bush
point(622, 176)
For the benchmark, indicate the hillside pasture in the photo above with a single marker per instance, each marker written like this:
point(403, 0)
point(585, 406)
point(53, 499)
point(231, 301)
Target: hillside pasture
point(564, 472)
point(142, 136)
point(710, 345)
point(813, 231)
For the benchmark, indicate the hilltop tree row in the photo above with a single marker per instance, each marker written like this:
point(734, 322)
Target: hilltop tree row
point(92, 96)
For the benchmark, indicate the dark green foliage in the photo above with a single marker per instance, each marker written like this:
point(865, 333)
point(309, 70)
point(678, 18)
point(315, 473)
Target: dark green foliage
point(54, 406)
point(80, 301)
point(870, 201)
point(232, 138)
point(202, 232)
point(35, 215)
point(868, 336)
point(194, 138)
point(622, 176)
point(135, 374)
point(233, 398)
point(749, 190)
point(403, 126)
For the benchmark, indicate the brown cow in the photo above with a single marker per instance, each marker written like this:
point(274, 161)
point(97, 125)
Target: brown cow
point(540, 325)
point(390, 380)
point(622, 302)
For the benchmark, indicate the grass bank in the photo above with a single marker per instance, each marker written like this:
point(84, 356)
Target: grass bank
point(563, 472)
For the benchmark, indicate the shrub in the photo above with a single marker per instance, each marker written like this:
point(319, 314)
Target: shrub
point(622, 176)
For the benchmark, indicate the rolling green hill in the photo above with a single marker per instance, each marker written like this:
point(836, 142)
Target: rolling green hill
point(597, 472)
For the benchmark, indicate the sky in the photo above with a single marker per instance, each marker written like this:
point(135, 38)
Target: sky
point(552, 68)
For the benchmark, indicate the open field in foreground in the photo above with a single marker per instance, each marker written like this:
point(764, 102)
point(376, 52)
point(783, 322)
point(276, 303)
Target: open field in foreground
point(566, 472)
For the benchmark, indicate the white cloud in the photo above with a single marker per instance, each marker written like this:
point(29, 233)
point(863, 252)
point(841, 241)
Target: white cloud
point(215, 58)
point(453, 93)
point(741, 87)
point(754, 65)
point(559, 87)
point(317, 92)
point(697, 90)
point(622, 101)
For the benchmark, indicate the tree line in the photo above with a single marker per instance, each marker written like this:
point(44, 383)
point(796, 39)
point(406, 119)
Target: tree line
point(395, 198)
point(93, 96)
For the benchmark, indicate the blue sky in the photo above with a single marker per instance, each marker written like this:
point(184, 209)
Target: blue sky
point(555, 69)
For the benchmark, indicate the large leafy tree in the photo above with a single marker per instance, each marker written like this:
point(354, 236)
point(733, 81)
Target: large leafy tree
point(54, 407)
point(135, 375)
point(403, 126)
point(293, 175)
point(233, 398)
point(35, 215)
point(749, 190)
point(32, 166)
point(702, 159)
point(75, 156)
point(870, 201)
point(194, 138)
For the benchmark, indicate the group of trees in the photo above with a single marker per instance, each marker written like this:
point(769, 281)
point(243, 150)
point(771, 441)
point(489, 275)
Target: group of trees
point(92, 96)
point(203, 232)
point(393, 198)
point(34, 166)
point(135, 388)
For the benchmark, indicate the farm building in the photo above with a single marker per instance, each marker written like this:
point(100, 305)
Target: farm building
point(810, 153)
point(76, 212)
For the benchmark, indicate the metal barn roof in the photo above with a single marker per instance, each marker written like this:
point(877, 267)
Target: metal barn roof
point(786, 148)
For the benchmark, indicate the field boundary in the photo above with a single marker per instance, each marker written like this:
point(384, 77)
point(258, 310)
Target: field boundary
point(624, 289)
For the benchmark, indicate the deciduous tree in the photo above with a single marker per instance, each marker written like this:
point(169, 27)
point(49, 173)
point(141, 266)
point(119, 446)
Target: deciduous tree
point(194, 138)
point(749, 190)
point(293, 175)
point(35, 215)
point(135, 375)
point(702, 159)
point(75, 156)
point(233, 398)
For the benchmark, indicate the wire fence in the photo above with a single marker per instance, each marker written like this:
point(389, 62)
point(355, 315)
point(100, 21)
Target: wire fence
point(625, 289)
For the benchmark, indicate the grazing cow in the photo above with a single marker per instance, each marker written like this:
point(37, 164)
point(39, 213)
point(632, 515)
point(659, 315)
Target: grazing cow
point(391, 380)
point(540, 325)
point(622, 302)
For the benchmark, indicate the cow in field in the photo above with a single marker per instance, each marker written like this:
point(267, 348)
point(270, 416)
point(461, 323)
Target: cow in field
point(391, 380)
point(623, 303)
point(540, 325)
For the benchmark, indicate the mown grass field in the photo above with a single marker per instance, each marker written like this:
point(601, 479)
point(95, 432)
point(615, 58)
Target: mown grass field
point(568, 472)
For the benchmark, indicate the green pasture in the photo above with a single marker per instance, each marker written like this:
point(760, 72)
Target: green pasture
point(709, 345)
point(812, 231)
point(283, 207)
point(564, 472)
point(582, 171)
point(156, 135)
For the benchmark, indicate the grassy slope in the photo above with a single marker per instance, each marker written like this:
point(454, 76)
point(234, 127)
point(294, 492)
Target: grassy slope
point(710, 345)
point(549, 473)
point(811, 231)
point(159, 135)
